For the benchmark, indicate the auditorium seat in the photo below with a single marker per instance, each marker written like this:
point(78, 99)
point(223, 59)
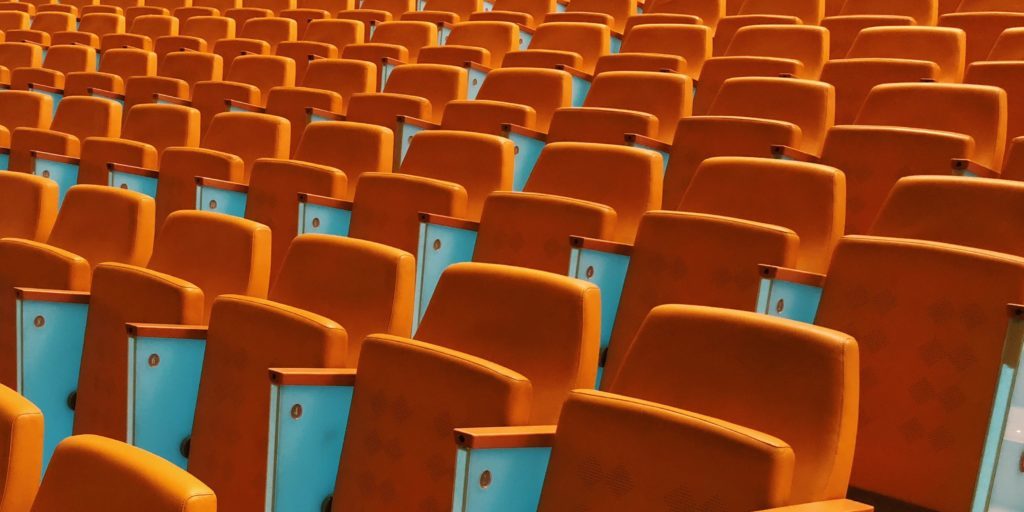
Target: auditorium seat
point(199, 33)
point(249, 80)
point(30, 206)
point(983, 21)
point(684, 12)
point(142, 32)
point(443, 11)
point(44, 26)
point(259, 36)
point(322, 38)
point(60, 60)
point(398, 40)
point(91, 27)
point(117, 65)
point(23, 109)
point(613, 13)
point(22, 462)
point(569, 44)
point(76, 119)
point(765, 12)
point(343, 76)
point(857, 15)
point(178, 73)
point(526, 97)
point(655, 47)
point(482, 42)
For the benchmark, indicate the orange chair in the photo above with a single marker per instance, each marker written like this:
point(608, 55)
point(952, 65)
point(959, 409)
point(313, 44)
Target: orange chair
point(259, 36)
point(22, 462)
point(528, 13)
point(117, 65)
point(857, 15)
point(14, 20)
point(142, 32)
point(91, 28)
point(199, 33)
point(378, 11)
point(613, 13)
point(343, 76)
point(23, 109)
point(398, 40)
point(294, 104)
point(77, 118)
point(354, 148)
point(60, 60)
point(433, 85)
point(763, 12)
point(249, 80)
point(655, 47)
point(321, 38)
point(178, 74)
point(444, 11)
point(983, 21)
point(31, 206)
point(1009, 46)
point(569, 44)
point(44, 26)
point(482, 42)
point(519, 96)
point(685, 12)
point(1005, 75)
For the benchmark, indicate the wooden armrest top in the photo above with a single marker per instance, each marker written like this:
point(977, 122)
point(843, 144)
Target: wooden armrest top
point(313, 376)
point(221, 184)
point(791, 275)
point(131, 169)
point(575, 72)
point(329, 202)
point(505, 437)
point(45, 295)
point(245, 106)
point(105, 93)
point(172, 99)
point(183, 332)
point(325, 113)
point(509, 129)
point(420, 123)
point(794, 153)
point(595, 244)
point(45, 88)
point(961, 165)
point(444, 220)
point(635, 139)
point(53, 157)
point(476, 66)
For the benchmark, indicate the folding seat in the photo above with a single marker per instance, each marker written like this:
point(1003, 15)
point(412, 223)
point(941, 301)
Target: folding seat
point(45, 152)
point(740, 123)
point(304, 16)
point(65, 8)
point(481, 42)
point(613, 13)
point(686, 12)
point(117, 65)
point(60, 60)
point(686, 357)
point(141, 34)
point(983, 21)
point(354, 148)
point(97, 8)
point(377, 11)
point(528, 13)
point(197, 257)
point(23, 109)
point(444, 11)
point(44, 26)
point(148, 131)
point(523, 97)
point(551, 356)
point(178, 73)
point(96, 224)
point(249, 80)
point(14, 20)
point(90, 29)
point(1009, 46)
point(259, 36)
point(857, 15)
point(30, 206)
point(568, 44)
point(766, 50)
point(24, 7)
point(293, 104)
point(343, 76)
point(432, 85)
point(655, 47)
point(990, 204)
point(16, 55)
point(767, 12)
point(322, 38)
point(1006, 75)
point(397, 40)
point(199, 33)
point(930, 296)
point(88, 470)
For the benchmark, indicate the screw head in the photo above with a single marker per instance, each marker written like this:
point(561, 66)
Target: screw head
point(39, 321)
point(213, 204)
point(124, 186)
point(780, 305)
point(154, 360)
point(437, 244)
point(590, 271)
point(485, 479)
point(185, 448)
point(296, 411)
point(46, 173)
point(316, 222)
point(515, 150)
point(72, 400)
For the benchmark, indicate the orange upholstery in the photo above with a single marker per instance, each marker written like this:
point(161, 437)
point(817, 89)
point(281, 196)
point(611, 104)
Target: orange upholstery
point(483, 42)
point(386, 207)
point(323, 38)
point(734, 467)
point(482, 309)
point(345, 77)
point(576, 45)
point(116, 66)
point(44, 25)
point(249, 80)
point(680, 48)
point(524, 12)
point(982, 28)
point(29, 207)
point(176, 188)
point(411, 35)
point(1009, 45)
point(853, 79)
point(383, 109)
point(247, 336)
point(60, 60)
point(303, 17)
point(266, 136)
point(429, 390)
point(95, 224)
point(179, 71)
point(142, 32)
point(86, 471)
point(1014, 167)
point(1006, 76)
point(271, 30)
point(23, 109)
point(18, 55)
point(274, 189)
point(354, 148)
point(437, 83)
point(975, 110)
point(702, 137)
point(369, 288)
point(449, 11)
point(943, 46)
point(991, 206)
point(843, 30)
point(198, 256)
point(291, 103)
point(21, 462)
point(930, 297)
point(709, 12)
point(810, 199)
point(530, 230)
point(200, 33)
point(479, 162)
point(77, 118)
point(857, 15)
point(91, 27)
point(805, 103)
point(732, 365)
point(666, 96)
point(706, 270)
point(807, 44)
point(624, 178)
point(613, 13)
point(14, 20)
point(522, 96)
point(874, 158)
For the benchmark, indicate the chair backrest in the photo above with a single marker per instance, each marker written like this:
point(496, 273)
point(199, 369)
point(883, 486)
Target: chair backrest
point(29, 208)
point(709, 11)
point(1009, 46)
point(209, 28)
point(624, 178)
point(246, 337)
point(68, 58)
point(25, 109)
point(128, 62)
point(162, 126)
point(339, 33)
point(479, 162)
point(532, 230)
point(271, 30)
point(292, 103)
point(20, 55)
point(101, 23)
point(926, 394)
point(734, 467)
point(438, 83)
point(102, 223)
point(982, 28)
point(14, 20)
point(497, 37)
point(154, 26)
point(732, 365)
point(87, 470)
point(979, 111)
point(535, 9)
point(429, 390)
point(412, 35)
point(53, 22)
point(618, 10)
point(853, 79)
point(345, 77)
point(544, 90)
point(192, 67)
point(589, 40)
point(1006, 76)
point(263, 71)
point(542, 325)
point(691, 42)
point(924, 12)
point(945, 47)
point(22, 461)
point(808, 198)
point(809, 12)
point(266, 136)
point(84, 116)
point(179, 166)
point(368, 287)
point(804, 43)
point(667, 96)
point(707, 270)
point(354, 148)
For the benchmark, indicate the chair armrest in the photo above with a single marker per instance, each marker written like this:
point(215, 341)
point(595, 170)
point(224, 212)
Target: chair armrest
point(603, 263)
point(788, 153)
point(825, 506)
point(580, 83)
point(324, 215)
point(642, 141)
point(241, 106)
point(227, 197)
point(60, 168)
point(971, 169)
point(501, 468)
point(444, 241)
point(130, 177)
point(314, 114)
point(167, 99)
point(32, 86)
point(525, 36)
point(528, 145)
point(476, 73)
point(405, 129)
point(50, 339)
point(165, 363)
point(309, 411)
point(789, 293)
point(387, 65)
point(103, 93)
